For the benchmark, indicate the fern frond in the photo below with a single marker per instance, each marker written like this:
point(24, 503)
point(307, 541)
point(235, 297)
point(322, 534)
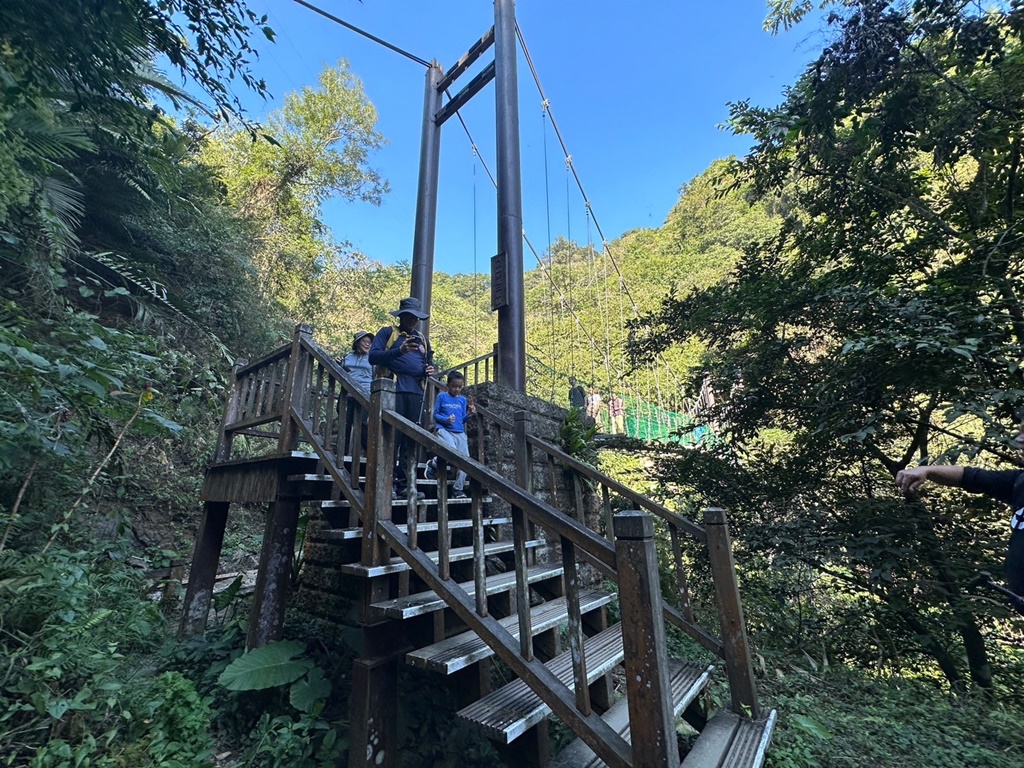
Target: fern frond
point(47, 140)
point(61, 206)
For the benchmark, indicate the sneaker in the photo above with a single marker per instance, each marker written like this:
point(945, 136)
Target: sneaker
point(404, 494)
point(431, 471)
point(460, 495)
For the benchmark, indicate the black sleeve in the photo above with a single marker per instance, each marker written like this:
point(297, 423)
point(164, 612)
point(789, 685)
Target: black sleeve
point(995, 483)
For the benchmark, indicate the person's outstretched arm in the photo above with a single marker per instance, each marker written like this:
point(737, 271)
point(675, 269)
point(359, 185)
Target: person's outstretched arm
point(910, 480)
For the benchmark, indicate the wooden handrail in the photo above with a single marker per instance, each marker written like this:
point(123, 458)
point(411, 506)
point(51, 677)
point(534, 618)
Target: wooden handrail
point(274, 356)
point(351, 388)
point(315, 386)
point(692, 528)
point(670, 517)
point(543, 513)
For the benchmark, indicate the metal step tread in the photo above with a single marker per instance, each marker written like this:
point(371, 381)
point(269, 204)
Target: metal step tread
point(429, 527)
point(462, 650)
point(686, 679)
point(731, 741)
point(427, 602)
point(343, 503)
point(397, 564)
point(509, 712)
point(325, 478)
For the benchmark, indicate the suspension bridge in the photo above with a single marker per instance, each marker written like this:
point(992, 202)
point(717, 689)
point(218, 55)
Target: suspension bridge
point(524, 567)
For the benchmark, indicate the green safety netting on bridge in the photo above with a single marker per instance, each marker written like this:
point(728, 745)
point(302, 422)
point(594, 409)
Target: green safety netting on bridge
point(644, 419)
point(647, 421)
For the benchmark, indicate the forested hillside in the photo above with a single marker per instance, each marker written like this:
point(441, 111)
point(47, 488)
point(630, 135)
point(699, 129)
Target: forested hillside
point(852, 288)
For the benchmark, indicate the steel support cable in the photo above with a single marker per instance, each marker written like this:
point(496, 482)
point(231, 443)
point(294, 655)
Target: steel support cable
point(604, 316)
point(540, 262)
point(568, 240)
point(590, 286)
point(364, 33)
point(565, 150)
point(579, 183)
point(476, 274)
point(547, 211)
point(567, 303)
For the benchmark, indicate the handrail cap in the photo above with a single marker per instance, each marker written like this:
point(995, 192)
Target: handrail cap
point(633, 524)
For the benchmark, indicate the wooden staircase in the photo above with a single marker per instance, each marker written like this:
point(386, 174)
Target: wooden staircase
point(450, 585)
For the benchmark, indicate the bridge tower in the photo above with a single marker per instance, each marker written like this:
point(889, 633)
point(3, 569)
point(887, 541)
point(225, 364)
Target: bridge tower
point(507, 289)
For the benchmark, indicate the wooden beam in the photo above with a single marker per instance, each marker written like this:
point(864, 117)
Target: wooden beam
point(468, 58)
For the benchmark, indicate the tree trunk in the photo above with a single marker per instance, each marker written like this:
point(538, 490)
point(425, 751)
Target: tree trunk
point(967, 626)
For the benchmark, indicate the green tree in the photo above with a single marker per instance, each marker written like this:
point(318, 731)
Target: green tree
point(883, 323)
point(317, 146)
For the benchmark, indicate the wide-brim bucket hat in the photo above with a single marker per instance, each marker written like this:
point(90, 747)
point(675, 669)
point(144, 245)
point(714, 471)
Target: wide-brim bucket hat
point(359, 336)
point(411, 306)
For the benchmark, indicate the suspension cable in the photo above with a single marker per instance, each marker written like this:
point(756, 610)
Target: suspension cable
point(364, 33)
point(579, 184)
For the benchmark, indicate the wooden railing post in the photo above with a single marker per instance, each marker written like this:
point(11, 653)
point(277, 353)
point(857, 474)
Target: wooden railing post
point(225, 436)
point(521, 533)
point(380, 468)
point(374, 699)
point(651, 720)
point(203, 574)
point(734, 633)
point(295, 389)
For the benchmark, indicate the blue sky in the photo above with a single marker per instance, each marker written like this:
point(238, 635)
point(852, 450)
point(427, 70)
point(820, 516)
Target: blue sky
point(639, 91)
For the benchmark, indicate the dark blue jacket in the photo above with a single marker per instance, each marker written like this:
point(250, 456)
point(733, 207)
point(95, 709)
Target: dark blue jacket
point(409, 367)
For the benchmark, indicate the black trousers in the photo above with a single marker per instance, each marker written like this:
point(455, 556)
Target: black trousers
point(1014, 565)
point(409, 405)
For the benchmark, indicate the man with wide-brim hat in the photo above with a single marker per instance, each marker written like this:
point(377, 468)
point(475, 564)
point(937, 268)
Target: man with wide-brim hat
point(403, 353)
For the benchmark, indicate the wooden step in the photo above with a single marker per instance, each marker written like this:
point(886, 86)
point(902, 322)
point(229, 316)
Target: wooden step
point(341, 534)
point(731, 741)
point(510, 711)
point(310, 478)
point(323, 478)
point(397, 564)
point(460, 651)
point(343, 503)
point(427, 602)
point(686, 680)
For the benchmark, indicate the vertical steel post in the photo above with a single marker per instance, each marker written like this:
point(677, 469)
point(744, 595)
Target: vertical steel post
point(426, 193)
point(511, 316)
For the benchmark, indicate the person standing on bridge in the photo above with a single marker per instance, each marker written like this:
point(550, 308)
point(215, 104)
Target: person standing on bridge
point(577, 397)
point(617, 413)
point(403, 353)
point(594, 406)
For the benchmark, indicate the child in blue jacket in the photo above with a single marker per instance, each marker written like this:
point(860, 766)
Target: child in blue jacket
point(451, 411)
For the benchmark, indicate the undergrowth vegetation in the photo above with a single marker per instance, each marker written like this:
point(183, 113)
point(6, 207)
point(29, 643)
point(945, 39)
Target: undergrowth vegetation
point(860, 318)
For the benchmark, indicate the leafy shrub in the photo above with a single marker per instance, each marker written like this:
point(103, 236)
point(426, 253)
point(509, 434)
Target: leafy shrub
point(77, 635)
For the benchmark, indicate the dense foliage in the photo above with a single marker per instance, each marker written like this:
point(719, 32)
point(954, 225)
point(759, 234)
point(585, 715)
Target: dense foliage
point(880, 326)
point(852, 286)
